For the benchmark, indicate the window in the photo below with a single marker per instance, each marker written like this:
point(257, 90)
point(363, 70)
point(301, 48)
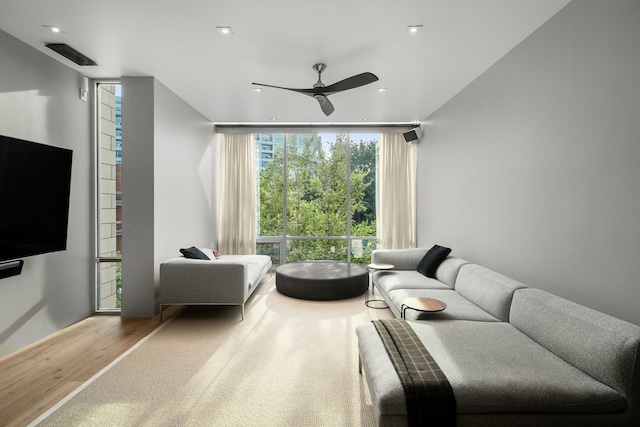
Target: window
point(108, 200)
point(325, 209)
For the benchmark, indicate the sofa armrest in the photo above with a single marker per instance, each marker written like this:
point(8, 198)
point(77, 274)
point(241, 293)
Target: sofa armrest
point(401, 259)
point(191, 281)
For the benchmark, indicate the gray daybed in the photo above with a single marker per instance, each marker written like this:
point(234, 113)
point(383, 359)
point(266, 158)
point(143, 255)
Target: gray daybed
point(513, 355)
point(225, 280)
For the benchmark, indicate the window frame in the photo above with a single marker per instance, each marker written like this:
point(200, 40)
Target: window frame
point(285, 238)
point(100, 260)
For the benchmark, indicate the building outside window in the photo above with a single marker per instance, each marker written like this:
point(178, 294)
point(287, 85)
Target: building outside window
point(109, 197)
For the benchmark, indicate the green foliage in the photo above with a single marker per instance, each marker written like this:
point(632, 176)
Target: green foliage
point(272, 196)
point(316, 196)
point(363, 155)
point(119, 282)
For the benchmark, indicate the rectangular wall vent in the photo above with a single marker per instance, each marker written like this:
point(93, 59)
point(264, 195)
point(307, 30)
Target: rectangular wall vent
point(70, 53)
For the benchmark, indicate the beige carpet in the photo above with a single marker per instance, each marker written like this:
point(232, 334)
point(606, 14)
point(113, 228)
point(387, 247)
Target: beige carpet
point(289, 363)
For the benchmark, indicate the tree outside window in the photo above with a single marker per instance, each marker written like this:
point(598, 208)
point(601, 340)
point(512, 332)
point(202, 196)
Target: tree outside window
point(328, 210)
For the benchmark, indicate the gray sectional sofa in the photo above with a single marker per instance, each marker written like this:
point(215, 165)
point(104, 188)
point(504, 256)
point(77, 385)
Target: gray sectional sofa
point(225, 280)
point(513, 355)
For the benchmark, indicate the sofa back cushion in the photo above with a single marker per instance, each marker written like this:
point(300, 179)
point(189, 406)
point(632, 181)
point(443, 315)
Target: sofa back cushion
point(606, 348)
point(208, 252)
point(487, 289)
point(448, 270)
point(257, 266)
point(401, 259)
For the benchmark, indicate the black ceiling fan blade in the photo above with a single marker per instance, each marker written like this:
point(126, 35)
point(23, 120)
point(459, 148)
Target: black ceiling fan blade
point(320, 92)
point(310, 92)
point(350, 83)
point(326, 105)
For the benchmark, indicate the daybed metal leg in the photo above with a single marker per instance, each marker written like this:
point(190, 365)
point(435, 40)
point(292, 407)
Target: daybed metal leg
point(242, 308)
point(359, 364)
point(161, 311)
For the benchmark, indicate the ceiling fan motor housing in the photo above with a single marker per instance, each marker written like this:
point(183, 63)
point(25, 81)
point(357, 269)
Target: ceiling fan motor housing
point(320, 67)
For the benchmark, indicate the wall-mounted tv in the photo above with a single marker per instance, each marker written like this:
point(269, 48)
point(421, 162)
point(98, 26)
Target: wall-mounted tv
point(35, 184)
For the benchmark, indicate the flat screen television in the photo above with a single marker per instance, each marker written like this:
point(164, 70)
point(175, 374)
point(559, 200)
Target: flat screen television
point(35, 184)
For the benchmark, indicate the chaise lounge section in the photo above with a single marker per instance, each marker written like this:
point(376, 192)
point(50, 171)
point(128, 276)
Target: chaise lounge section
point(225, 280)
point(513, 355)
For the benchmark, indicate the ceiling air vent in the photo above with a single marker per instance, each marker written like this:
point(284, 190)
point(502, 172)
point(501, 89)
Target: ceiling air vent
point(70, 53)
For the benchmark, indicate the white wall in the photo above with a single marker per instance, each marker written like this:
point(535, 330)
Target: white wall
point(39, 101)
point(534, 169)
point(184, 179)
point(167, 182)
point(216, 180)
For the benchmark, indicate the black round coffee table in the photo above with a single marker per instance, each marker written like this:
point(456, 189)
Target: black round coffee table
point(322, 280)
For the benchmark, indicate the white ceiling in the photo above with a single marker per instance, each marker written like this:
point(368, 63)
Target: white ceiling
point(277, 41)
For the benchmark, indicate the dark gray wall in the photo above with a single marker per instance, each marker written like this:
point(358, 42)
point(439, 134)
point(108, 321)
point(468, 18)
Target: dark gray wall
point(39, 101)
point(534, 169)
point(138, 151)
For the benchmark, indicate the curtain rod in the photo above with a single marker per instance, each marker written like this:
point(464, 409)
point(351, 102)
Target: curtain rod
point(313, 127)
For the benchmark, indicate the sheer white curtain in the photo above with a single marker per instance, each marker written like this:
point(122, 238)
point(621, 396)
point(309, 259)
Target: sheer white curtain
point(396, 213)
point(236, 230)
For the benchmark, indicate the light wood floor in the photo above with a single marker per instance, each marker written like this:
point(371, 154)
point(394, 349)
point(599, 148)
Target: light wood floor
point(37, 377)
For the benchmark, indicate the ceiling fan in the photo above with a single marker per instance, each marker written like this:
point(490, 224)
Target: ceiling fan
point(322, 92)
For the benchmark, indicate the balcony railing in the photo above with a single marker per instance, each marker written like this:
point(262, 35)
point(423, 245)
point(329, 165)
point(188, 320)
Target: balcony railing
point(305, 248)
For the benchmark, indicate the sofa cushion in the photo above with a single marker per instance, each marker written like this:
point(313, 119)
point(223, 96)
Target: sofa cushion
point(193, 253)
point(401, 259)
point(209, 253)
point(432, 259)
point(446, 274)
point(492, 367)
point(487, 289)
point(387, 394)
point(390, 280)
point(257, 265)
point(448, 270)
point(458, 307)
point(573, 331)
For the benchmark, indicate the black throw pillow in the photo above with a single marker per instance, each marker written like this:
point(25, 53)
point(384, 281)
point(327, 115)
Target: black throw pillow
point(432, 259)
point(193, 253)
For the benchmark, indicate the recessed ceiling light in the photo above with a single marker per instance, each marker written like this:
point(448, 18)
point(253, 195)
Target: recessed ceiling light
point(52, 28)
point(365, 119)
point(257, 89)
point(227, 31)
point(273, 119)
point(412, 29)
point(382, 89)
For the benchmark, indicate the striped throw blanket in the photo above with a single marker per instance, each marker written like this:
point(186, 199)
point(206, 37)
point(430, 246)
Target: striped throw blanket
point(430, 399)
